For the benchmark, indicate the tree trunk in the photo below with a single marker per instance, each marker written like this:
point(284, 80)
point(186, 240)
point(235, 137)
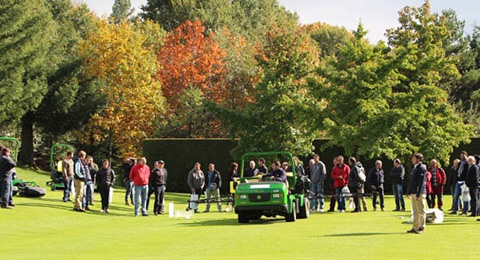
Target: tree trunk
point(26, 155)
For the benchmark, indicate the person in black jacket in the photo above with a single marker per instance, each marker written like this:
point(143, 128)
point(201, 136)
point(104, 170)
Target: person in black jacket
point(6, 169)
point(398, 174)
point(417, 191)
point(472, 182)
point(129, 186)
point(213, 184)
point(355, 182)
point(376, 178)
point(105, 179)
point(158, 184)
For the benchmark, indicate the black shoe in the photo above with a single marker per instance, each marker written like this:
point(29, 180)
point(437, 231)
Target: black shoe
point(145, 214)
point(478, 219)
point(331, 210)
point(11, 205)
point(472, 215)
point(396, 210)
point(402, 209)
point(453, 213)
point(356, 211)
point(421, 229)
point(411, 231)
point(87, 208)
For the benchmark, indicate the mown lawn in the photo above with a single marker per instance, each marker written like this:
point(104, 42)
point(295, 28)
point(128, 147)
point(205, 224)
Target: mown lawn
point(47, 228)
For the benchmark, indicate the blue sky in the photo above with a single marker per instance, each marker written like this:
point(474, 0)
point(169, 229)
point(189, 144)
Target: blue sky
point(376, 15)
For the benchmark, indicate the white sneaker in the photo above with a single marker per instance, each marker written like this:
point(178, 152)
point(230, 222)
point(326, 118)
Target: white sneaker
point(342, 211)
point(101, 211)
point(321, 210)
point(227, 209)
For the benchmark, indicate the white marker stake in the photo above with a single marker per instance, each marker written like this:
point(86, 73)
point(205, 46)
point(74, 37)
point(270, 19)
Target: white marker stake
point(171, 210)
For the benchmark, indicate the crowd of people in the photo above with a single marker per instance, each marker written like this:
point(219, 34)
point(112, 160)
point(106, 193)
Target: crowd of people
point(348, 180)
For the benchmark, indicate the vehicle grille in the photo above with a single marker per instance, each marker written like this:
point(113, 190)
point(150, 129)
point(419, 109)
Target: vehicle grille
point(259, 197)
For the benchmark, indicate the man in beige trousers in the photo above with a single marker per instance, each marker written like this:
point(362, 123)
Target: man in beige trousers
point(417, 194)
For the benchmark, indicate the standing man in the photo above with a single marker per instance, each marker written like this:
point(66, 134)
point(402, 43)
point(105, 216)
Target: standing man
point(356, 180)
point(129, 186)
point(105, 178)
point(461, 175)
point(417, 194)
point(473, 181)
point(438, 181)
point(452, 179)
point(196, 182)
point(80, 172)
point(7, 166)
point(214, 182)
point(376, 178)
point(90, 181)
point(318, 173)
point(140, 174)
point(340, 176)
point(158, 181)
point(298, 167)
point(67, 171)
point(398, 174)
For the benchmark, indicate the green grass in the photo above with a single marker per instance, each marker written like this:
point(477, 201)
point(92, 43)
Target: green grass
point(47, 228)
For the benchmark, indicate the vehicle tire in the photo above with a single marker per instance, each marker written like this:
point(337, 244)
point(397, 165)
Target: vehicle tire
point(256, 216)
point(242, 218)
point(305, 210)
point(291, 217)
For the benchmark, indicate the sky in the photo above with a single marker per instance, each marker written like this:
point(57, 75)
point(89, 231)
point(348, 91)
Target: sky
point(376, 15)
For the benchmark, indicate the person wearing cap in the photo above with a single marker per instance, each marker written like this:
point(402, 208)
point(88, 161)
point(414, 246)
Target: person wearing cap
point(214, 182)
point(158, 184)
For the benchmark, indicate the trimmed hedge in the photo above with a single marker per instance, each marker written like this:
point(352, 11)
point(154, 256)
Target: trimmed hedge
point(181, 154)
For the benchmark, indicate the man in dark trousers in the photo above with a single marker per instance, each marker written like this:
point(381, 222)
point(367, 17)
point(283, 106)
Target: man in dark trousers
point(417, 193)
point(356, 181)
point(461, 175)
point(213, 184)
point(105, 178)
point(472, 182)
point(129, 187)
point(158, 184)
point(6, 169)
point(376, 178)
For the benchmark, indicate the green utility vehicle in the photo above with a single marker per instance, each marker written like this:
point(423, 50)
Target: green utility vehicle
point(255, 198)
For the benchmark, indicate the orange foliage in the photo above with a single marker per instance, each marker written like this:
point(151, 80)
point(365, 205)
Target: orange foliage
point(120, 55)
point(189, 58)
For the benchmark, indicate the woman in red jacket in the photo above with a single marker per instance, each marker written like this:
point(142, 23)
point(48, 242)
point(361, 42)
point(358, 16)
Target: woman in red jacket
point(437, 183)
point(429, 190)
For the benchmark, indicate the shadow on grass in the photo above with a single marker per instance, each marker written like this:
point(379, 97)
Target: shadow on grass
point(231, 222)
point(364, 234)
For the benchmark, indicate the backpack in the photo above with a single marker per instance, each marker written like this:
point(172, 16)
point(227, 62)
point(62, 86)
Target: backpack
point(361, 174)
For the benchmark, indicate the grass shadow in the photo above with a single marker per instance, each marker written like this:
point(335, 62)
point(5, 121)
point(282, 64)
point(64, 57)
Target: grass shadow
point(231, 222)
point(363, 234)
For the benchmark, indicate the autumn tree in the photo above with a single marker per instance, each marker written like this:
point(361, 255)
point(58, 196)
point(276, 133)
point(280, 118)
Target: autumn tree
point(123, 57)
point(277, 119)
point(191, 60)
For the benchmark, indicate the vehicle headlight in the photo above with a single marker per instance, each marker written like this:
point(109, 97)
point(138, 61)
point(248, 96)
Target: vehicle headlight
point(244, 197)
point(277, 195)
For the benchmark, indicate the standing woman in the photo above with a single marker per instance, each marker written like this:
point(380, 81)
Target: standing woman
point(105, 180)
point(452, 179)
point(233, 174)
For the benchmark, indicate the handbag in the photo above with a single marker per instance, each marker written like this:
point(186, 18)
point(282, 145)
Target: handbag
point(345, 190)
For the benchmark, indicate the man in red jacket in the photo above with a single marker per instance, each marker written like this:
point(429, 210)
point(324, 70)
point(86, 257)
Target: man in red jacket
point(140, 174)
point(340, 174)
point(438, 181)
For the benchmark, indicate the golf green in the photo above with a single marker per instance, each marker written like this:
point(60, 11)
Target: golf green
point(48, 228)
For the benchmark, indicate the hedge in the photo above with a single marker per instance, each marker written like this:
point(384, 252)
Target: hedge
point(181, 154)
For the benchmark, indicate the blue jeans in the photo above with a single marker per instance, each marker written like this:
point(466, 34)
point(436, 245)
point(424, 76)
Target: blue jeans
point(456, 198)
point(5, 192)
point(88, 194)
point(340, 199)
point(68, 188)
point(317, 191)
point(129, 192)
point(398, 193)
point(10, 198)
point(141, 191)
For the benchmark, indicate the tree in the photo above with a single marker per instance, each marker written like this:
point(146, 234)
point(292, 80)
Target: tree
point(329, 38)
point(354, 90)
point(121, 10)
point(275, 120)
point(400, 107)
point(189, 59)
point(122, 55)
point(24, 44)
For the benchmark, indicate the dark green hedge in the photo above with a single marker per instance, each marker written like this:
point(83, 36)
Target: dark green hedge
point(181, 154)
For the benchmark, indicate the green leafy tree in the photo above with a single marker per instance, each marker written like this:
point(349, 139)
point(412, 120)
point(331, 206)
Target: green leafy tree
point(275, 120)
point(121, 10)
point(25, 39)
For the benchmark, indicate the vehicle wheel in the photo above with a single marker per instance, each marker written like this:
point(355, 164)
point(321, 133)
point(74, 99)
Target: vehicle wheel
point(291, 217)
point(256, 216)
point(305, 210)
point(242, 218)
